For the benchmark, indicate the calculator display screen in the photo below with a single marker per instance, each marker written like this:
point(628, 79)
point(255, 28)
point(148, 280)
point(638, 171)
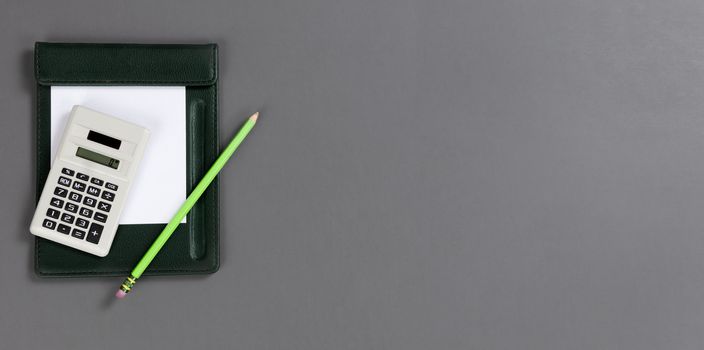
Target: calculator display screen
point(97, 157)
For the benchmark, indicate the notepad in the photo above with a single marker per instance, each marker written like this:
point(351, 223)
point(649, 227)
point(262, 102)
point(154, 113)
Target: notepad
point(160, 185)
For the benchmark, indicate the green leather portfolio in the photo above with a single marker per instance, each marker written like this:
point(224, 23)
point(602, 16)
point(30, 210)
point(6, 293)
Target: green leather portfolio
point(193, 248)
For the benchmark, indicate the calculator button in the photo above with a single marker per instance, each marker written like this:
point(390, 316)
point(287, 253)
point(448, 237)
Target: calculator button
point(52, 213)
point(78, 233)
point(86, 212)
point(64, 181)
point(67, 171)
point(94, 233)
point(55, 202)
point(82, 223)
point(100, 217)
point(61, 192)
point(79, 186)
point(63, 229)
point(104, 206)
point(75, 197)
point(93, 191)
point(67, 218)
point(49, 224)
point(98, 182)
point(110, 186)
point(71, 207)
point(108, 195)
point(89, 201)
point(82, 176)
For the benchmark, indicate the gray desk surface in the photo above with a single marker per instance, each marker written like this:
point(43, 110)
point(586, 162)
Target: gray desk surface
point(425, 175)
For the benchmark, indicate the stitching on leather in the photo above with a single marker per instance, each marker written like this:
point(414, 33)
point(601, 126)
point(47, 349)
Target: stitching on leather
point(213, 219)
point(37, 244)
point(106, 273)
point(112, 82)
point(211, 79)
point(37, 68)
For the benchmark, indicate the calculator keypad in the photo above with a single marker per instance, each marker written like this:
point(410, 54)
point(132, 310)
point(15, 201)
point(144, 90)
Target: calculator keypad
point(93, 191)
point(108, 195)
point(104, 206)
point(71, 207)
point(57, 202)
point(52, 213)
point(87, 221)
point(67, 218)
point(79, 234)
point(64, 181)
point(94, 233)
point(61, 192)
point(86, 212)
point(79, 186)
point(82, 223)
point(75, 197)
point(64, 229)
point(89, 201)
point(49, 224)
point(100, 217)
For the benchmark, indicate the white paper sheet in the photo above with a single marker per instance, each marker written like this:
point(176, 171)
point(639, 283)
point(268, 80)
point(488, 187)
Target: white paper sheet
point(159, 187)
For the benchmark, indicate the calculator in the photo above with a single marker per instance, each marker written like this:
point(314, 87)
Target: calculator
point(88, 183)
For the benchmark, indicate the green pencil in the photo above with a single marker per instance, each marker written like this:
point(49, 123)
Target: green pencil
point(186, 207)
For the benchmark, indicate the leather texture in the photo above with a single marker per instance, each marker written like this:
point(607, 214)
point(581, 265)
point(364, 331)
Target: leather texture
point(194, 247)
point(120, 64)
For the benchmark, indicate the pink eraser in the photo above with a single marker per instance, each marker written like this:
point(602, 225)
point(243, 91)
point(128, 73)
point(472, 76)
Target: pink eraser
point(120, 294)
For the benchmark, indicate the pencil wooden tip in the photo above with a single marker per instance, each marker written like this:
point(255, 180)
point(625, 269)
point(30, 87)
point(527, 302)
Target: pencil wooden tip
point(254, 117)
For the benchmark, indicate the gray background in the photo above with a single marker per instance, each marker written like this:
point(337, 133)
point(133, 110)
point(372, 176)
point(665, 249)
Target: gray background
point(514, 174)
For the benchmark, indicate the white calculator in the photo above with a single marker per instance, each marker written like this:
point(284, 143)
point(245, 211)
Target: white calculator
point(88, 183)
